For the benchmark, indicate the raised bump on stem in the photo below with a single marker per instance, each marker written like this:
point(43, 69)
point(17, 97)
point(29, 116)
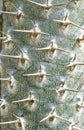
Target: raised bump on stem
point(39, 77)
point(8, 41)
point(73, 63)
point(11, 83)
point(53, 47)
point(3, 107)
point(2, 103)
point(30, 102)
point(18, 14)
point(20, 122)
point(52, 117)
point(66, 22)
point(73, 126)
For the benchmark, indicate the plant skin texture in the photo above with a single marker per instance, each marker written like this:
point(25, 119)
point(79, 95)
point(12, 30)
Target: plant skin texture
point(42, 64)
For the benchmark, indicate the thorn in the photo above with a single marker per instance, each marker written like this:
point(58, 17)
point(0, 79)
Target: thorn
point(31, 101)
point(50, 51)
point(52, 116)
point(9, 122)
point(62, 90)
point(61, 118)
point(40, 72)
point(37, 74)
point(52, 48)
point(2, 38)
point(73, 58)
point(32, 32)
point(71, 66)
point(20, 122)
point(9, 74)
point(13, 56)
point(45, 6)
point(73, 126)
point(35, 31)
point(74, 123)
point(72, 23)
point(82, 106)
point(16, 116)
point(6, 12)
point(10, 56)
point(72, 90)
point(30, 97)
point(74, 64)
point(66, 22)
point(18, 14)
point(14, 6)
point(4, 79)
point(3, 33)
point(23, 100)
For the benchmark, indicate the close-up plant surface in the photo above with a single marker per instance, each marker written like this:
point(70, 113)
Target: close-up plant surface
point(41, 64)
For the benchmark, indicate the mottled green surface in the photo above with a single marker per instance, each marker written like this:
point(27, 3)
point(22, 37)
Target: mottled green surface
point(57, 67)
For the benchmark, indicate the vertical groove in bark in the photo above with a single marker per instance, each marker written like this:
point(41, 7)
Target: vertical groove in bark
point(1, 22)
point(1, 28)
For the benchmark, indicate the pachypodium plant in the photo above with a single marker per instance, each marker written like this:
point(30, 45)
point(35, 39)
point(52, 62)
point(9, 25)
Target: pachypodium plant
point(42, 64)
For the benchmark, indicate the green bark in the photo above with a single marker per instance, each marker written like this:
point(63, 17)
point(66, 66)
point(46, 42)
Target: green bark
point(45, 93)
